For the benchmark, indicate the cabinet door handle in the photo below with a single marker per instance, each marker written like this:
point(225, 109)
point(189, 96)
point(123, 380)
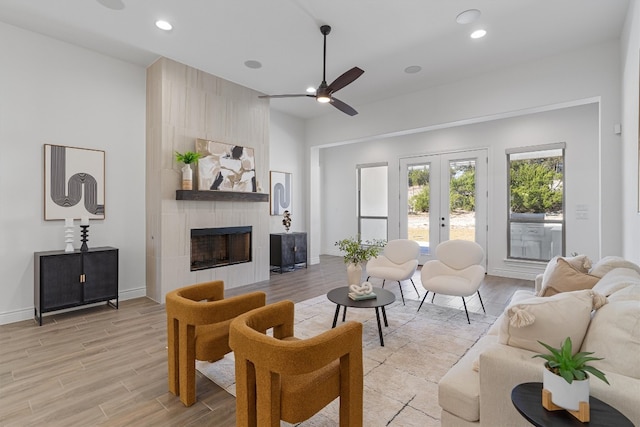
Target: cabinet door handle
point(82, 278)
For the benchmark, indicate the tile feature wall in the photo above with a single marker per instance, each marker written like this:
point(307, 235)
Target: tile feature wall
point(184, 104)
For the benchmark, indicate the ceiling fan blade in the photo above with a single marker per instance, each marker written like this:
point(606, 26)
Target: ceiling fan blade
point(345, 79)
point(347, 109)
point(288, 95)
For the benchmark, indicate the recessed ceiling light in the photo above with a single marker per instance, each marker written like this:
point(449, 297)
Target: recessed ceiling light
point(112, 4)
point(412, 69)
point(478, 34)
point(311, 89)
point(253, 64)
point(468, 16)
point(164, 25)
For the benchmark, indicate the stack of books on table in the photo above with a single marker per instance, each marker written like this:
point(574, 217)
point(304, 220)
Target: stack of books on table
point(357, 297)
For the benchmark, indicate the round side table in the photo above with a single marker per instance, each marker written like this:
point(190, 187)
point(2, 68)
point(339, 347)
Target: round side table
point(340, 296)
point(527, 398)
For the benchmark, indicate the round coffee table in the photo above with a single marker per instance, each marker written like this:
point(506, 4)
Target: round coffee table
point(527, 398)
point(340, 296)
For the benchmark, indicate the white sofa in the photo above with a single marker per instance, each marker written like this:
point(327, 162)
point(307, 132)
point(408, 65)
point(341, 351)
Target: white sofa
point(477, 390)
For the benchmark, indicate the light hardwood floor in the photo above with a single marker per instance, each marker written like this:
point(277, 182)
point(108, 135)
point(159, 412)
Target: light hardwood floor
point(100, 366)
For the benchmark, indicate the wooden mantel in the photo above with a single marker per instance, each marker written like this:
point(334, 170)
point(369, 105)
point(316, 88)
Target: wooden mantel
point(227, 196)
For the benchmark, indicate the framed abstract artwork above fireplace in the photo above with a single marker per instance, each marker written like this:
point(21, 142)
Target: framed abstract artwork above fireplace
point(73, 183)
point(225, 167)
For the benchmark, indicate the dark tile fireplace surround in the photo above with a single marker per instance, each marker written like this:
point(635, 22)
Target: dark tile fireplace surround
point(219, 247)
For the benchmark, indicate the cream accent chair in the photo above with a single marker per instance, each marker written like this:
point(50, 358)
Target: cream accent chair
point(198, 319)
point(281, 377)
point(455, 271)
point(398, 261)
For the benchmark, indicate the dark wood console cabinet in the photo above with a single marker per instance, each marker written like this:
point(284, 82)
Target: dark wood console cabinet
point(71, 279)
point(288, 250)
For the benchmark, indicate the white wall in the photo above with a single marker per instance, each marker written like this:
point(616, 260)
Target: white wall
point(576, 126)
point(568, 79)
point(287, 154)
point(630, 139)
point(57, 93)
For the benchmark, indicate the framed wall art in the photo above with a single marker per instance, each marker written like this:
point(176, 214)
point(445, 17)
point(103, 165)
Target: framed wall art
point(73, 183)
point(225, 167)
point(280, 192)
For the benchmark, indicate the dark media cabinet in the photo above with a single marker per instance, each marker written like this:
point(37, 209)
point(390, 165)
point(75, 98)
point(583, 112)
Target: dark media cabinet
point(288, 250)
point(70, 279)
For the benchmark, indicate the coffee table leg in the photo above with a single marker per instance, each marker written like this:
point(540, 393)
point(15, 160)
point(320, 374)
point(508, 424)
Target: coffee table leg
point(384, 316)
point(335, 317)
point(379, 326)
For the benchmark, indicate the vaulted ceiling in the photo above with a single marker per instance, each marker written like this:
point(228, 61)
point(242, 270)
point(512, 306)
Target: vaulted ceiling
point(381, 37)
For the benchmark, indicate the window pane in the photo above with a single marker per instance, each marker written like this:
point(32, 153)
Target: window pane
point(373, 229)
point(373, 191)
point(418, 197)
point(535, 240)
point(536, 183)
point(462, 200)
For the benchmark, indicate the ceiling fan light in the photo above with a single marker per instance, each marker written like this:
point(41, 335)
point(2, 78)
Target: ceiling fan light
point(478, 34)
point(323, 99)
point(164, 25)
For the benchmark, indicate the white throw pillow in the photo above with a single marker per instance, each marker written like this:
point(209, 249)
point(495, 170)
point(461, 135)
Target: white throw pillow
point(614, 335)
point(549, 319)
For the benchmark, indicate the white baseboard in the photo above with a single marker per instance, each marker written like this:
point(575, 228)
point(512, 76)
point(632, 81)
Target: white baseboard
point(28, 313)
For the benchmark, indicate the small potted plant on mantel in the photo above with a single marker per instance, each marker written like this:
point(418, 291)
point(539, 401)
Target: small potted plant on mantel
point(356, 253)
point(566, 376)
point(187, 158)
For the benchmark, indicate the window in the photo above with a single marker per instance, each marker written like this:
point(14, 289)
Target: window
point(536, 226)
point(372, 202)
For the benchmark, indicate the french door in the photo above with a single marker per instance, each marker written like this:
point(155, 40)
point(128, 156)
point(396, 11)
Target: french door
point(442, 197)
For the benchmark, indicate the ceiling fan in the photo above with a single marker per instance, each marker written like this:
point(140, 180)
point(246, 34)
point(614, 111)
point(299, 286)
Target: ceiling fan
point(324, 93)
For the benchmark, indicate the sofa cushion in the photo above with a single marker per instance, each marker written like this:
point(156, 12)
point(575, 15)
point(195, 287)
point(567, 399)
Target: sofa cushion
point(614, 335)
point(549, 319)
point(565, 278)
point(617, 279)
point(608, 263)
point(628, 293)
point(459, 388)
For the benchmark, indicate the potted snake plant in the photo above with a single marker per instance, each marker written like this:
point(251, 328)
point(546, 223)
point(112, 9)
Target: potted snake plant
point(566, 375)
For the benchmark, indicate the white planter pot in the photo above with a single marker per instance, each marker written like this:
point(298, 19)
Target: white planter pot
point(354, 274)
point(563, 394)
point(187, 177)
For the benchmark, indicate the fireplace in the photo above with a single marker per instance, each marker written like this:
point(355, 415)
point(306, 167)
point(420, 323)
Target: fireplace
point(218, 247)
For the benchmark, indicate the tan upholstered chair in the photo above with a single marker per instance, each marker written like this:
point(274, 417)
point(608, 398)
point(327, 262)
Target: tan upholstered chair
point(398, 261)
point(282, 378)
point(456, 271)
point(198, 319)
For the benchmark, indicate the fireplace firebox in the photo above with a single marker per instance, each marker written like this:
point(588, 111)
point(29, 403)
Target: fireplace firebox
point(218, 247)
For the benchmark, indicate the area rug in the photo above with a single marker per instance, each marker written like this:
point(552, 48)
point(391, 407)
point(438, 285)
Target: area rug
point(401, 378)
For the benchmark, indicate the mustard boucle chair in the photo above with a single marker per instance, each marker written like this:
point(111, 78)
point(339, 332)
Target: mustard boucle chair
point(281, 377)
point(198, 319)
